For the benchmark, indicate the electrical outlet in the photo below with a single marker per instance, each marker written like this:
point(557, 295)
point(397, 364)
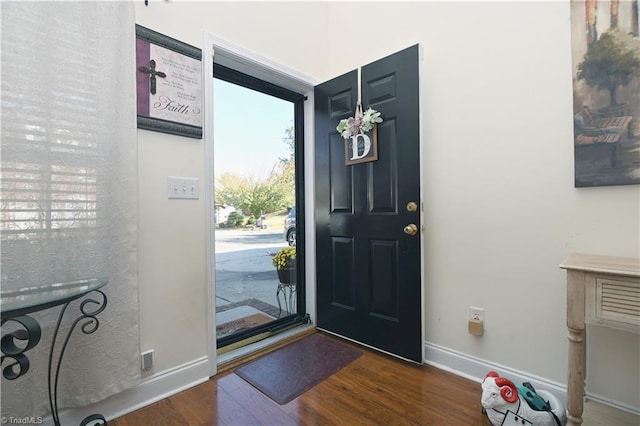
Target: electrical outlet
point(476, 313)
point(147, 360)
point(476, 327)
point(476, 321)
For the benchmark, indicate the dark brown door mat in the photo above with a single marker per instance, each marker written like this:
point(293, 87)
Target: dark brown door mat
point(290, 371)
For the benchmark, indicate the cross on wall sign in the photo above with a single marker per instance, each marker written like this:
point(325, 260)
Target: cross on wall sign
point(151, 70)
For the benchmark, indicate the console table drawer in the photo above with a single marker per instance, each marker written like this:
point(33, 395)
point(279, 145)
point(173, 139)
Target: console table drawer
point(613, 302)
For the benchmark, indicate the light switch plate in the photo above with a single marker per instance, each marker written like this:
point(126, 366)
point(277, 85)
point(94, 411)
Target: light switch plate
point(183, 188)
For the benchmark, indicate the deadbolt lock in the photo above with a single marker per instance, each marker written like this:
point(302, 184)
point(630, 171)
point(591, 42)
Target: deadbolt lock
point(412, 206)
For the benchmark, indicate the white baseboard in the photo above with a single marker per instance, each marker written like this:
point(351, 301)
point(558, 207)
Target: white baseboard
point(476, 369)
point(150, 390)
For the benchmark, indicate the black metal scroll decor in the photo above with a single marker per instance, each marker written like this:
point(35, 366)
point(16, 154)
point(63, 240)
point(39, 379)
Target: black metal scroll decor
point(288, 292)
point(29, 336)
point(89, 308)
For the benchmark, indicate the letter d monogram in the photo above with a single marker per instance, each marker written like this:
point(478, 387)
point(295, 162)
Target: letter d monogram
point(366, 146)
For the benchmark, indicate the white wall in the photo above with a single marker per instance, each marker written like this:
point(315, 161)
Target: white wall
point(172, 247)
point(172, 238)
point(501, 209)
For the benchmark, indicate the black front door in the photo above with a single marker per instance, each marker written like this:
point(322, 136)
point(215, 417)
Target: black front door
point(368, 267)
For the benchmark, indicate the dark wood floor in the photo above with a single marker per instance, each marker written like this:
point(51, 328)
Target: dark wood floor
point(376, 389)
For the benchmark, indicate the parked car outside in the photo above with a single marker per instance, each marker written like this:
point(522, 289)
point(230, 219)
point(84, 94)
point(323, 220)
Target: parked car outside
point(290, 227)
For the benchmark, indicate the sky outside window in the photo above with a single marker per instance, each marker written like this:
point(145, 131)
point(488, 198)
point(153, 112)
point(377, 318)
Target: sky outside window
point(248, 130)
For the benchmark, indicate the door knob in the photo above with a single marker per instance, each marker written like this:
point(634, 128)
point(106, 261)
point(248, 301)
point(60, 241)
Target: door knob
point(411, 229)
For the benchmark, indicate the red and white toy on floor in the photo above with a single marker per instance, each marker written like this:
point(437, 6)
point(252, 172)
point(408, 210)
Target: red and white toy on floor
point(505, 406)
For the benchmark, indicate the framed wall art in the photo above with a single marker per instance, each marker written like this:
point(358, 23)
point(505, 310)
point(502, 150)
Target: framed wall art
point(606, 92)
point(169, 84)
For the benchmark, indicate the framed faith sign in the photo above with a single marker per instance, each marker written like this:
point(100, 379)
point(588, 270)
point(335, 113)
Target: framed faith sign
point(169, 84)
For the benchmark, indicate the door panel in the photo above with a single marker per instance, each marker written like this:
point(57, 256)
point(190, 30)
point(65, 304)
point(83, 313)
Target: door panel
point(368, 269)
point(383, 288)
point(382, 174)
point(341, 179)
point(344, 288)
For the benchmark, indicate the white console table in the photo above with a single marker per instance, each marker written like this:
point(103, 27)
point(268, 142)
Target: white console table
point(601, 290)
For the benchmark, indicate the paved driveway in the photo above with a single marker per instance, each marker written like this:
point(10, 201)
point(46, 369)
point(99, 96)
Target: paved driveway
point(243, 265)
